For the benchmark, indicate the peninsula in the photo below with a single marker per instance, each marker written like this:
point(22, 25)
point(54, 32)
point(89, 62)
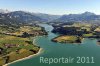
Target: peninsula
point(75, 32)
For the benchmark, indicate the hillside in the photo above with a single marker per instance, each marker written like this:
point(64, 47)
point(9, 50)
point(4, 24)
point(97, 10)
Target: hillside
point(84, 17)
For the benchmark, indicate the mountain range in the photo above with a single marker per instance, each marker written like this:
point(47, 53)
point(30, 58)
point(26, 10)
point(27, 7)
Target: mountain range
point(7, 16)
point(83, 17)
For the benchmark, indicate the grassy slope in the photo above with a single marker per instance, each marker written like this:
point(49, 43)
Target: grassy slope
point(69, 39)
point(23, 47)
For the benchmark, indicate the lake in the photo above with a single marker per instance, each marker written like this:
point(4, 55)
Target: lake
point(88, 48)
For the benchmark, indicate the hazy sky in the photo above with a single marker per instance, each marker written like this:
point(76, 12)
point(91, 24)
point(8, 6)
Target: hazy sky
point(52, 6)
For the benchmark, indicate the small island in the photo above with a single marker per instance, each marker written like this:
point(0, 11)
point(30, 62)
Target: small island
point(67, 39)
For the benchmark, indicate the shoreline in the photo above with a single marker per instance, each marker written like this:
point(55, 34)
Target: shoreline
point(30, 56)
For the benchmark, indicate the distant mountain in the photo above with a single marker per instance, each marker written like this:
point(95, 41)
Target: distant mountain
point(47, 17)
point(7, 17)
point(4, 11)
point(25, 17)
point(19, 17)
point(86, 16)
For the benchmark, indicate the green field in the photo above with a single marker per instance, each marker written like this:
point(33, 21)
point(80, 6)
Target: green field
point(87, 35)
point(13, 46)
point(67, 39)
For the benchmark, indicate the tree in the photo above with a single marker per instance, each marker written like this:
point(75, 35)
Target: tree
point(25, 34)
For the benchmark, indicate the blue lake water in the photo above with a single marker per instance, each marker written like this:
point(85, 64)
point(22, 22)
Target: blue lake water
point(88, 48)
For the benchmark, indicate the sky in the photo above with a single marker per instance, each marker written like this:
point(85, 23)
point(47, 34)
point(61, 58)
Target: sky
point(56, 7)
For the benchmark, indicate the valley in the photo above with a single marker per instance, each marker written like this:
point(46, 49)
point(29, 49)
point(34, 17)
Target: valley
point(20, 33)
